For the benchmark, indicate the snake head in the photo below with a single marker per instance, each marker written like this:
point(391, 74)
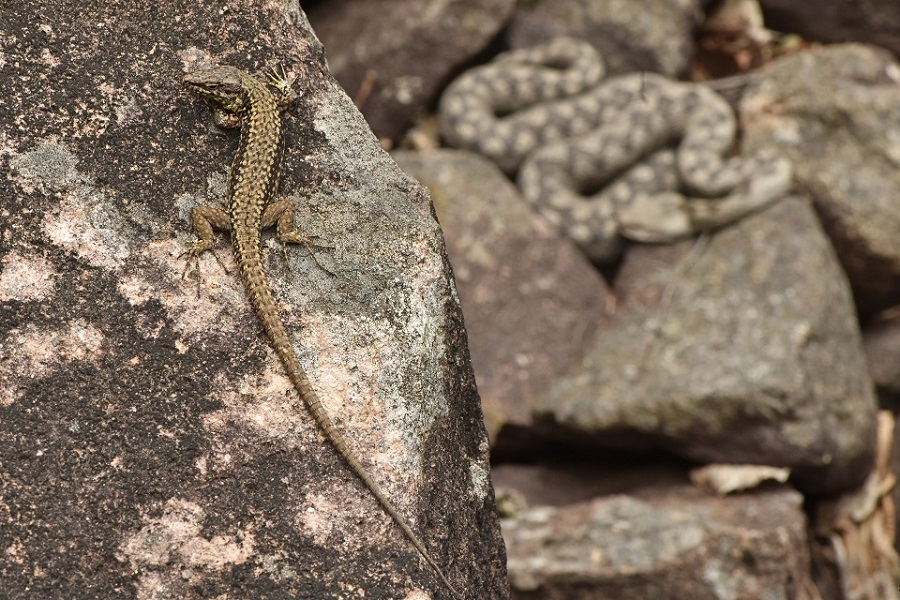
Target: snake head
point(221, 85)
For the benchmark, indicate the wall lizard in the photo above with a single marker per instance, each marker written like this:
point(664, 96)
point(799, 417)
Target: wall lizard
point(240, 99)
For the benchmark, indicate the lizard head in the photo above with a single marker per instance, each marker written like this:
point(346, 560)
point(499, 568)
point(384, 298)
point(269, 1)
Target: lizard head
point(221, 85)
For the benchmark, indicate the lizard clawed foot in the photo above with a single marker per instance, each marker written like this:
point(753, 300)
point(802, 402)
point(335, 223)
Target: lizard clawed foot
point(193, 260)
point(308, 244)
point(284, 83)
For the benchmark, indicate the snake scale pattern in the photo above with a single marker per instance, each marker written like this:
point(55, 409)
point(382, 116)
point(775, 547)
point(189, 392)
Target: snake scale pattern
point(635, 156)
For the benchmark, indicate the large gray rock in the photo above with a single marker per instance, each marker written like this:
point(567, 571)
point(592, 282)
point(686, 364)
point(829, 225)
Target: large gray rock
point(744, 349)
point(685, 544)
point(151, 443)
point(532, 301)
point(838, 110)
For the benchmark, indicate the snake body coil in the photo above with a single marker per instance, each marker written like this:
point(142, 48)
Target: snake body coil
point(636, 156)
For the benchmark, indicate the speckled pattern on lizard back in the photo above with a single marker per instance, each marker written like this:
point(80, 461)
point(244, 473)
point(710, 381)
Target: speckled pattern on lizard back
point(547, 113)
point(241, 99)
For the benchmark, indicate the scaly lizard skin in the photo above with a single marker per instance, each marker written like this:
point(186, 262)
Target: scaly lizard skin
point(242, 100)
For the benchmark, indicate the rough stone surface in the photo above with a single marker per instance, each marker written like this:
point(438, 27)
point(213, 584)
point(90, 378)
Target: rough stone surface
point(839, 114)
point(531, 299)
point(631, 35)
point(405, 49)
point(870, 21)
point(151, 445)
point(742, 350)
point(685, 544)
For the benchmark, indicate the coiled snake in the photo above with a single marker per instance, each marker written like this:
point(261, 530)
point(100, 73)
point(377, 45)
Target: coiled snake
point(636, 156)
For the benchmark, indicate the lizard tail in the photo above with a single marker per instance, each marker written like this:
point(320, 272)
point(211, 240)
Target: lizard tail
point(261, 296)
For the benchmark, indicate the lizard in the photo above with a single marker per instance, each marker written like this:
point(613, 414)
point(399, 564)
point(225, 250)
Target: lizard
point(239, 99)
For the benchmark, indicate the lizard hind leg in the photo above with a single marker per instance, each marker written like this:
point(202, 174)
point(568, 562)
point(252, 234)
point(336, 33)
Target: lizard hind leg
point(280, 214)
point(205, 220)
